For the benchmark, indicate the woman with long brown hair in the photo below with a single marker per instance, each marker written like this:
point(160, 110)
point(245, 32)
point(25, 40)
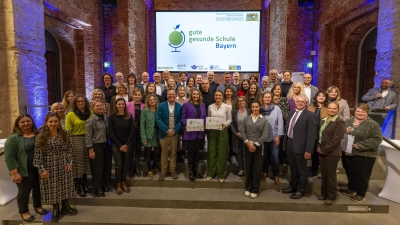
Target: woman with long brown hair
point(67, 100)
point(19, 153)
point(53, 158)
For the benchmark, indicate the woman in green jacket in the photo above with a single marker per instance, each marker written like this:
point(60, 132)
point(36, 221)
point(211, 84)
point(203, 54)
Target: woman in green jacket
point(148, 133)
point(19, 152)
point(358, 165)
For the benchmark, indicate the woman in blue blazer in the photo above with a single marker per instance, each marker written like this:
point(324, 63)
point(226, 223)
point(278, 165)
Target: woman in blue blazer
point(193, 141)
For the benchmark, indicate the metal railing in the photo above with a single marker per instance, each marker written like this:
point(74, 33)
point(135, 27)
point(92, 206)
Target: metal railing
point(390, 142)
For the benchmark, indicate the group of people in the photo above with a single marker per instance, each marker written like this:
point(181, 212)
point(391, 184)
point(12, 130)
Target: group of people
point(260, 127)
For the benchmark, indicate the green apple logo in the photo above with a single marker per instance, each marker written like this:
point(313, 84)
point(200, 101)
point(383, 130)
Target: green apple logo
point(176, 38)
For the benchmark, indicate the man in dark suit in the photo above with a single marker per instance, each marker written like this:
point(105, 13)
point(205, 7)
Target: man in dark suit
point(301, 134)
point(182, 78)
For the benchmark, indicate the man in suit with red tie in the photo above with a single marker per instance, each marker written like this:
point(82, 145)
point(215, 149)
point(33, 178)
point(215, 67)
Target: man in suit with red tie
point(301, 135)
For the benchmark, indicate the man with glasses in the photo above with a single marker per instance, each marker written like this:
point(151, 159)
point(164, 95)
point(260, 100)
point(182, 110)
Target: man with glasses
point(213, 85)
point(145, 80)
point(273, 78)
point(236, 81)
point(227, 83)
point(301, 135)
point(309, 89)
point(157, 81)
point(120, 79)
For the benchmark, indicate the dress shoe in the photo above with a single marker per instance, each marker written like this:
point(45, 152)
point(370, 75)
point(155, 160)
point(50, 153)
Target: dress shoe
point(42, 212)
point(329, 201)
point(161, 177)
point(174, 175)
point(320, 197)
point(297, 195)
point(100, 193)
point(125, 188)
point(106, 189)
point(119, 189)
point(276, 179)
point(264, 176)
point(289, 190)
point(138, 173)
point(28, 219)
point(150, 175)
point(66, 208)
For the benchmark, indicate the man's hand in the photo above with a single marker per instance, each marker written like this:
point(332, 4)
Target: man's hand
point(379, 95)
point(307, 155)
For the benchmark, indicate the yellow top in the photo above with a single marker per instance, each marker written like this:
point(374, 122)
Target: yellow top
point(74, 125)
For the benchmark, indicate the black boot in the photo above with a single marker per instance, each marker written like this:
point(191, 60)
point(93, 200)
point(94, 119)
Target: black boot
point(191, 172)
point(84, 183)
point(79, 188)
point(99, 192)
point(106, 189)
point(56, 213)
point(196, 170)
point(66, 209)
point(180, 158)
point(137, 171)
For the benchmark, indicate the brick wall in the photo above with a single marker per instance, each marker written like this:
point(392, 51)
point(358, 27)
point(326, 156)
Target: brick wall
point(341, 25)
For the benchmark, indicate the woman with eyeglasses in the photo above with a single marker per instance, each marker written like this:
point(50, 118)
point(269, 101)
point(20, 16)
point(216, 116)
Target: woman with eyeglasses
point(122, 92)
point(75, 125)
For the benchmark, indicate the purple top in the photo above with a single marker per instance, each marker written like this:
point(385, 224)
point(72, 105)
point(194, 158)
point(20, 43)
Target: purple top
point(189, 112)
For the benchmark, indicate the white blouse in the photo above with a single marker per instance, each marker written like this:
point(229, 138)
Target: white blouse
point(224, 112)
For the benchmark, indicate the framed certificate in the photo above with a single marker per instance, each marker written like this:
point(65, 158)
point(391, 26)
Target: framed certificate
point(195, 125)
point(214, 123)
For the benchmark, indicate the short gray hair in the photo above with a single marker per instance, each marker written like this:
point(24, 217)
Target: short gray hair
point(302, 96)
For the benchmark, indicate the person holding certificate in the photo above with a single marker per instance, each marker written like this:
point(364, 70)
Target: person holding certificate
point(358, 165)
point(217, 139)
point(254, 130)
point(193, 139)
point(329, 151)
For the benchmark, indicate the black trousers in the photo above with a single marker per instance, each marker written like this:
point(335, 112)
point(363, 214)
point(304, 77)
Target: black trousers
point(155, 157)
point(135, 148)
point(346, 162)
point(298, 168)
point(193, 157)
point(253, 165)
point(28, 184)
point(121, 163)
point(101, 165)
point(315, 163)
point(361, 170)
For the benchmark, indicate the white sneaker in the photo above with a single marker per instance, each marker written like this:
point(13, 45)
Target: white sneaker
point(247, 193)
point(209, 178)
point(253, 195)
point(221, 180)
point(233, 160)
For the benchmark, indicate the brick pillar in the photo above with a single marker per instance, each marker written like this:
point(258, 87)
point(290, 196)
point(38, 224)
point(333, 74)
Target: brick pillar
point(22, 64)
point(388, 47)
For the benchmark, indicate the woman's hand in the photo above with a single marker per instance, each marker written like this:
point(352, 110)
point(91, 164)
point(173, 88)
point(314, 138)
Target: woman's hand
point(355, 146)
point(239, 135)
point(319, 151)
point(223, 126)
point(45, 175)
point(16, 178)
point(144, 144)
point(124, 148)
point(277, 140)
point(92, 154)
point(69, 168)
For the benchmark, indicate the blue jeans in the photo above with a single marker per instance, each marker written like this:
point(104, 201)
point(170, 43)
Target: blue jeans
point(271, 157)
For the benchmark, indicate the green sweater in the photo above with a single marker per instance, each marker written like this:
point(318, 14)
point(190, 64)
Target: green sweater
point(15, 155)
point(367, 136)
point(74, 125)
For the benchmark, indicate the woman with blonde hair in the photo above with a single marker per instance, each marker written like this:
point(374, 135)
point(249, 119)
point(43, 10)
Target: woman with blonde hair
point(334, 95)
point(59, 108)
point(67, 100)
point(122, 92)
point(296, 89)
point(98, 95)
point(181, 95)
point(148, 133)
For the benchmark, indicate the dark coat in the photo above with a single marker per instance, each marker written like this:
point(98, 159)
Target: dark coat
point(331, 137)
